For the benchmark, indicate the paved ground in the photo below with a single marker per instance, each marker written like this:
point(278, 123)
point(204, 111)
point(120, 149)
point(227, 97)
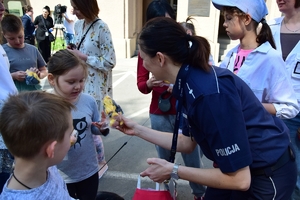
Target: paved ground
point(124, 168)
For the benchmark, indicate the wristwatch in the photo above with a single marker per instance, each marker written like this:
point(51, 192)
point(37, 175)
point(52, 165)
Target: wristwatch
point(174, 173)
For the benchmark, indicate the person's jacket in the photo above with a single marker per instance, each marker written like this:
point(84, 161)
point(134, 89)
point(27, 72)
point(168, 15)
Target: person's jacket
point(40, 31)
point(292, 61)
point(28, 26)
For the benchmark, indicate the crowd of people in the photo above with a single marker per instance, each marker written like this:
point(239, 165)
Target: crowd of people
point(243, 115)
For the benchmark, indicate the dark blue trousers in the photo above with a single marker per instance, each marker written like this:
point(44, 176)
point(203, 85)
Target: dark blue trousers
point(278, 186)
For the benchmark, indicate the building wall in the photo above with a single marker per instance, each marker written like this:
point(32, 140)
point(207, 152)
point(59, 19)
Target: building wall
point(208, 26)
point(125, 19)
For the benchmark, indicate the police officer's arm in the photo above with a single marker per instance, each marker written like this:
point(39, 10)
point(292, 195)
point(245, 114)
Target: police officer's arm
point(163, 139)
point(160, 170)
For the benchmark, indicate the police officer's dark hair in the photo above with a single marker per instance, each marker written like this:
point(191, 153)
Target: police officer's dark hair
point(159, 8)
point(165, 35)
point(297, 3)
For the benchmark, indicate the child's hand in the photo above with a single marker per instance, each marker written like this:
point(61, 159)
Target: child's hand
point(152, 82)
point(35, 70)
point(99, 125)
point(102, 125)
point(19, 75)
point(170, 88)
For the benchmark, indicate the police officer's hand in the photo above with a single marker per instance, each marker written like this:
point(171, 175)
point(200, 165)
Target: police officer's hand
point(125, 125)
point(159, 170)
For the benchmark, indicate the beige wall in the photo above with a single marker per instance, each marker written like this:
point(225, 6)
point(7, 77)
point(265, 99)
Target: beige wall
point(125, 20)
point(208, 27)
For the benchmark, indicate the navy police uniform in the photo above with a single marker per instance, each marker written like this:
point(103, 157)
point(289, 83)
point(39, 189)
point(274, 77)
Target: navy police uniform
point(234, 131)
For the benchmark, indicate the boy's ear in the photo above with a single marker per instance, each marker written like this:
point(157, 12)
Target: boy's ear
point(51, 79)
point(50, 149)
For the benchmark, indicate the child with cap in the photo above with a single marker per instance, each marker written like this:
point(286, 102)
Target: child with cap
point(37, 129)
point(255, 59)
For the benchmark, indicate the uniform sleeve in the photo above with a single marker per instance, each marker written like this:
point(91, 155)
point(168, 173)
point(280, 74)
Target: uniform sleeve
point(142, 77)
point(218, 120)
point(107, 59)
point(281, 93)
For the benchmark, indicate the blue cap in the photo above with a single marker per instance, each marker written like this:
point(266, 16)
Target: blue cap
point(257, 9)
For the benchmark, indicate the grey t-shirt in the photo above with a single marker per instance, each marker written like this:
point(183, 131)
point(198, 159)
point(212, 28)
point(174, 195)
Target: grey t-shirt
point(81, 161)
point(24, 58)
point(53, 189)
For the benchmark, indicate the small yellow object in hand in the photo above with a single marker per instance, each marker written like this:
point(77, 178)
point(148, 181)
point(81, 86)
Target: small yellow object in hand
point(110, 108)
point(32, 73)
point(31, 78)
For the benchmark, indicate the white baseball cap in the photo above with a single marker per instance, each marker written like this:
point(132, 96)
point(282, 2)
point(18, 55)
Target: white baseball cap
point(257, 9)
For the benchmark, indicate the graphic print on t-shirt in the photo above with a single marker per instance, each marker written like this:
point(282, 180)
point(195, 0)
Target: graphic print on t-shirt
point(240, 58)
point(80, 125)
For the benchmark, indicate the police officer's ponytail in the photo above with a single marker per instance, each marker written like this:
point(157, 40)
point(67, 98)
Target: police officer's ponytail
point(198, 52)
point(164, 35)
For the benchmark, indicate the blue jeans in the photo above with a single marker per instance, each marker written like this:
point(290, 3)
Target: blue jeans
point(69, 38)
point(293, 125)
point(166, 123)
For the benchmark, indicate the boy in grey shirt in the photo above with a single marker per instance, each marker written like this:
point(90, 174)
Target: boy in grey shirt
point(37, 129)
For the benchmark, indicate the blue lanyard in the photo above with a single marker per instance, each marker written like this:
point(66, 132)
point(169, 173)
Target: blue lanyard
point(183, 73)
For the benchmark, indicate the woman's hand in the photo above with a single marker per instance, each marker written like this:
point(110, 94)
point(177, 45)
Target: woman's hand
point(71, 46)
point(19, 75)
point(79, 54)
point(125, 125)
point(159, 170)
point(152, 82)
